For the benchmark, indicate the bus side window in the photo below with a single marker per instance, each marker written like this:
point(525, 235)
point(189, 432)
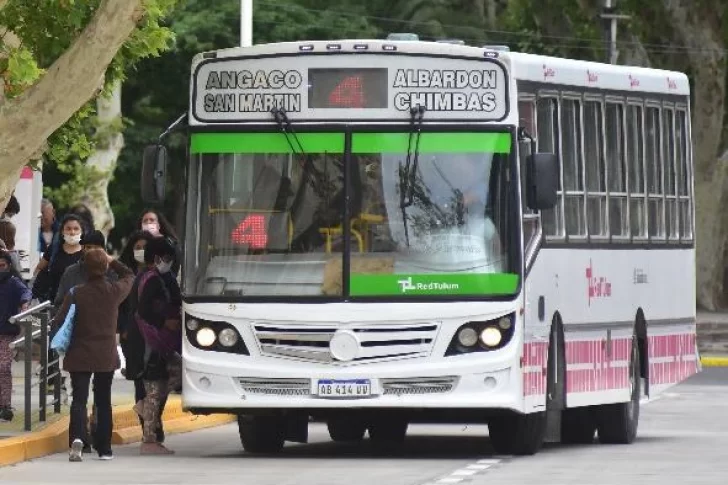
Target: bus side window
point(668, 154)
point(683, 174)
point(595, 169)
point(616, 173)
point(636, 164)
point(547, 124)
point(655, 200)
point(571, 161)
point(531, 219)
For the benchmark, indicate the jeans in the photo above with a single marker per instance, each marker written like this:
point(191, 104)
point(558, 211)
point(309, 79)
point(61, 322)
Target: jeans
point(80, 382)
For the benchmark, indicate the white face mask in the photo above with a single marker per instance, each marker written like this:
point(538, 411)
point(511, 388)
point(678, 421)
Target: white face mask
point(72, 240)
point(164, 266)
point(152, 228)
point(139, 255)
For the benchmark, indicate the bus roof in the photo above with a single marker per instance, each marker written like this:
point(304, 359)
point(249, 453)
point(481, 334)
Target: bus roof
point(585, 74)
point(525, 67)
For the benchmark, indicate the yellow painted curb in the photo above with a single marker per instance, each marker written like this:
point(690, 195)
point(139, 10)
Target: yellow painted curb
point(49, 440)
point(714, 361)
point(54, 438)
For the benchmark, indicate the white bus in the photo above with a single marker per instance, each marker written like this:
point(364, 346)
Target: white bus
point(387, 232)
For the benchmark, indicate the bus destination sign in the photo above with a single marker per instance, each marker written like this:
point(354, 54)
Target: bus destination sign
point(331, 88)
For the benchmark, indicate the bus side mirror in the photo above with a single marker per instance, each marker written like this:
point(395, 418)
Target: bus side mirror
point(154, 173)
point(542, 180)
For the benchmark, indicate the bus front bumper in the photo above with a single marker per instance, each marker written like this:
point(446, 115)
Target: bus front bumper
point(416, 384)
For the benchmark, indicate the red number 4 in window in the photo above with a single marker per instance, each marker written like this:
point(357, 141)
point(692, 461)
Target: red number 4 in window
point(348, 93)
point(251, 232)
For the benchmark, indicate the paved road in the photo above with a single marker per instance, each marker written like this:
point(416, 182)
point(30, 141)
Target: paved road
point(683, 439)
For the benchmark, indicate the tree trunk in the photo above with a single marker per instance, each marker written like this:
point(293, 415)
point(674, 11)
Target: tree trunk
point(701, 31)
point(27, 121)
point(104, 158)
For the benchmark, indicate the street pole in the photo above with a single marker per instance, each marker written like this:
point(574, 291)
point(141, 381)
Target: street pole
point(246, 23)
point(610, 17)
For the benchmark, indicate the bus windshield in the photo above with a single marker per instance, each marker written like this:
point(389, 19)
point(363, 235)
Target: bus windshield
point(429, 216)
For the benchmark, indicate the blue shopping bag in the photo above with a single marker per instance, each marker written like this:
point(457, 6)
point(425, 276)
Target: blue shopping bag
point(62, 340)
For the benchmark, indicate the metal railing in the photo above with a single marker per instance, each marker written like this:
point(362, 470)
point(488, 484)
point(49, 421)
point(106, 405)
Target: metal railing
point(35, 323)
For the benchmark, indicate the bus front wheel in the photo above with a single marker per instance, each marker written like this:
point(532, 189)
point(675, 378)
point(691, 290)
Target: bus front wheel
point(388, 430)
point(517, 434)
point(262, 434)
point(346, 430)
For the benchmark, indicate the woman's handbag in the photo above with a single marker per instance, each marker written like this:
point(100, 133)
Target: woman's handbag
point(62, 340)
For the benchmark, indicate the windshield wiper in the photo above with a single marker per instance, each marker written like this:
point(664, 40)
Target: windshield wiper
point(311, 175)
point(408, 174)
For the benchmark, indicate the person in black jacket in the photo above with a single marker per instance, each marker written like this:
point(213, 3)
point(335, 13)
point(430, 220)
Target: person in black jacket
point(158, 319)
point(14, 297)
point(131, 341)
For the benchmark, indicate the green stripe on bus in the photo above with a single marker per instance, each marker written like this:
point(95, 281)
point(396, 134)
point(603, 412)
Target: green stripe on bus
point(433, 284)
point(265, 142)
point(432, 142)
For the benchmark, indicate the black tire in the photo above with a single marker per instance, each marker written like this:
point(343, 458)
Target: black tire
point(261, 434)
point(346, 430)
point(518, 434)
point(578, 426)
point(388, 430)
point(617, 423)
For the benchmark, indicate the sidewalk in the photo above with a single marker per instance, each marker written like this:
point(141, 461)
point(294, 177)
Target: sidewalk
point(712, 328)
point(17, 445)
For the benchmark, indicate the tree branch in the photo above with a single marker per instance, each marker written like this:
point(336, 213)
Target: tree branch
point(28, 120)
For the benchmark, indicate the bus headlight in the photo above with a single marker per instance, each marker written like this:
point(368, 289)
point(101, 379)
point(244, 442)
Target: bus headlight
point(205, 337)
point(214, 336)
point(483, 335)
point(467, 337)
point(490, 336)
point(228, 337)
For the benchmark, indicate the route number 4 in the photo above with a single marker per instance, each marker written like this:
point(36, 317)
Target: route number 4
point(348, 93)
point(251, 232)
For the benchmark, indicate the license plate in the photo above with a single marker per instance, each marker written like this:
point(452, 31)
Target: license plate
point(332, 388)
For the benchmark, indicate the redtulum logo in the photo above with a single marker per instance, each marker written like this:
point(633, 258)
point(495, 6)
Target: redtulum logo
point(671, 83)
point(599, 286)
point(633, 81)
point(548, 72)
point(591, 77)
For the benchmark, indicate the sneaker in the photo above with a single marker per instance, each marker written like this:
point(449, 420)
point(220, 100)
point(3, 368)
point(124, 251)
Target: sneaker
point(154, 449)
point(6, 414)
point(106, 457)
point(76, 453)
point(87, 449)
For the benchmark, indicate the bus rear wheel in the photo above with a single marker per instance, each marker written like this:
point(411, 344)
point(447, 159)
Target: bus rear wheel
point(342, 429)
point(517, 434)
point(617, 423)
point(577, 426)
point(262, 434)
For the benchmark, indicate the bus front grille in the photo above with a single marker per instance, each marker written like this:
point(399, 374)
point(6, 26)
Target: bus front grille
point(375, 341)
point(418, 386)
point(275, 387)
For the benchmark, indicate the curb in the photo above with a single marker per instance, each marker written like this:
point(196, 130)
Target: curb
point(54, 438)
point(714, 361)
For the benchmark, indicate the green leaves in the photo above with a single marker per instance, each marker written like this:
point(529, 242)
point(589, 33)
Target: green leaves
point(19, 70)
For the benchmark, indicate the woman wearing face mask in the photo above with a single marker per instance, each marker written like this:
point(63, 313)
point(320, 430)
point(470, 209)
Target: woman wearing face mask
point(59, 256)
point(157, 317)
point(131, 341)
point(154, 222)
